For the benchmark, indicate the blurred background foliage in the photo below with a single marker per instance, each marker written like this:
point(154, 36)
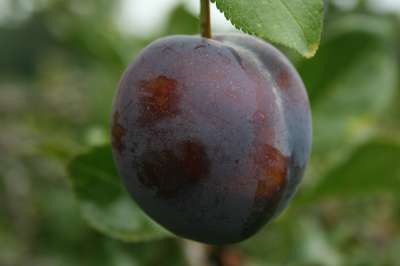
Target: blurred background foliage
point(60, 62)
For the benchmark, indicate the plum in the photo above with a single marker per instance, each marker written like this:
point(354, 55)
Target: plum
point(211, 136)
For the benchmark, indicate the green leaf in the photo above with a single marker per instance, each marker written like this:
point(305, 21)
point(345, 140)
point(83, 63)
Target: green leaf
point(272, 245)
point(104, 203)
point(292, 238)
point(350, 82)
point(315, 247)
point(181, 21)
point(373, 168)
point(296, 24)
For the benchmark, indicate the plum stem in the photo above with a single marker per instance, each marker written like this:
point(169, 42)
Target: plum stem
point(206, 255)
point(225, 256)
point(205, 19)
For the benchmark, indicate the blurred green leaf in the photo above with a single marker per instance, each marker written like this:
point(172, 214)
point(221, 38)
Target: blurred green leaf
point(374, 167)
point(379, 26)
point(351, 82)
point(273, 245)
point(315, 248)
point(103, 201)
point(22, 49)
point(10, 247)
point(296, 24)
point(165, 252)
point(182, 21)
point(288, 240)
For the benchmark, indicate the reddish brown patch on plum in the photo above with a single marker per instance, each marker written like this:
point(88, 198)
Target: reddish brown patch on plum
point(171, 171)
point(117, 132)
point(194, 161)
point(283, 79)
point(271, 174)
point(159, 100)
point(274, 169)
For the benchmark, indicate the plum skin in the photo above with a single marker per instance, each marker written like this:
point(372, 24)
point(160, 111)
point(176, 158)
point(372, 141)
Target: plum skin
point(211, 136)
